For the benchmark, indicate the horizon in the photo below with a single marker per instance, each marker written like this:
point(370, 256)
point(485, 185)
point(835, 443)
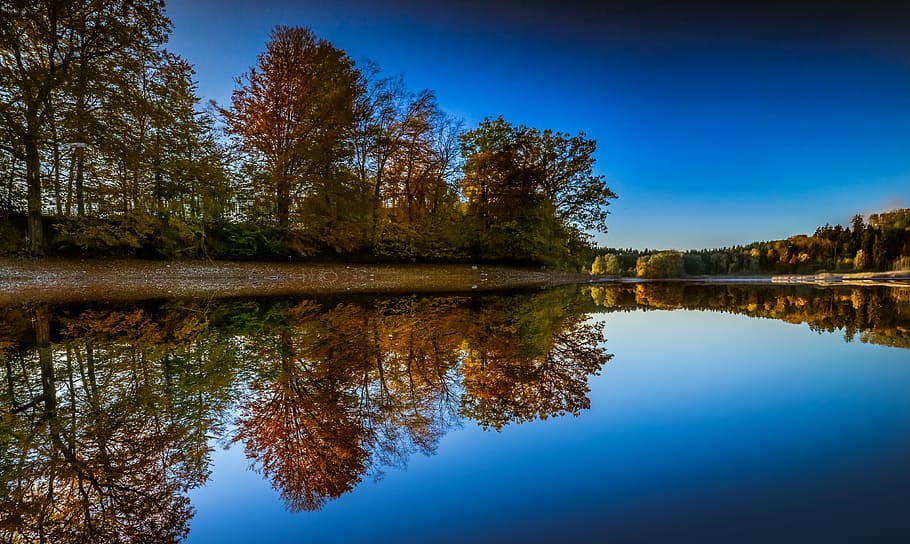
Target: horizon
point(716, 125)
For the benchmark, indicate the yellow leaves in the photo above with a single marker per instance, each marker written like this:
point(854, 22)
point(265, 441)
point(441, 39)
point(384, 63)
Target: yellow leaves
point(99, 324)
point(188, 328)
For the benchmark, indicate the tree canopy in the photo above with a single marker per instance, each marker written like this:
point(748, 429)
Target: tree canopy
point(507, 163)
point(531, 193)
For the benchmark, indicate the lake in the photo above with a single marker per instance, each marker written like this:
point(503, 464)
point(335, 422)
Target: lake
point(624, 413)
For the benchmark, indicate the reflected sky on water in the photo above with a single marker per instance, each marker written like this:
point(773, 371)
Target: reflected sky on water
point(756, 431)
point(451, 419)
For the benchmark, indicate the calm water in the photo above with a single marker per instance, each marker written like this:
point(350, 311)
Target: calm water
point(648, 413)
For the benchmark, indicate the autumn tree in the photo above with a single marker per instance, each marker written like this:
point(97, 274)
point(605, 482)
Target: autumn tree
point(406, 155)
point(293, 114)
point(565, 164)
point(496, 178)
point(390, 118)
point(35, 44)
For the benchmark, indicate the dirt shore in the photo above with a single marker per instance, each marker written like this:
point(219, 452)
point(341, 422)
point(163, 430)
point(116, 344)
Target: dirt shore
point(68, 280)
point(62, 280)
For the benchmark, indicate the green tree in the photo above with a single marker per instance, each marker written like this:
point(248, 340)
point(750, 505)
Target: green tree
point(879, 250)
point(861, 261)
point(856, 233)
point(523, 183)
point(665, 264)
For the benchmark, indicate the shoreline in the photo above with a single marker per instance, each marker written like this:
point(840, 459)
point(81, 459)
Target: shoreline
point(857, 279)
point(81, 280)
point(75, 280)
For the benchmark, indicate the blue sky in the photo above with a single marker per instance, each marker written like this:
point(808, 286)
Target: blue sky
point(717, 123)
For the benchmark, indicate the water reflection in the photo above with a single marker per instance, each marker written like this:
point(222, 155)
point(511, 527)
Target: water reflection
point(877, 315)
point(341, 393)
point(93, 446)
point(109, 412)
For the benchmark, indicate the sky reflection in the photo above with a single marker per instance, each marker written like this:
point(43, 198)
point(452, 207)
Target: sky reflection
point(704, 427)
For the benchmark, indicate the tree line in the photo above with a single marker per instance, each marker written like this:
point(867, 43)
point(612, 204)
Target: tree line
point(106, 149)
point(881, 244)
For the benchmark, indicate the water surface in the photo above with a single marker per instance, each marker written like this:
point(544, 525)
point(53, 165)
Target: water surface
point(624, 413)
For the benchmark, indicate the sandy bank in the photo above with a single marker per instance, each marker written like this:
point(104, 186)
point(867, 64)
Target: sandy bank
point(59, 280)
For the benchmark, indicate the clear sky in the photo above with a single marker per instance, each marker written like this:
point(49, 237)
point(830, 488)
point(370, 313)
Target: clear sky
point(717, 123)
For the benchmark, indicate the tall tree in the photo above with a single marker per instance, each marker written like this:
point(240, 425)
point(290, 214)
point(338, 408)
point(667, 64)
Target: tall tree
point(495, 177)
point(565, 164)
point(294, 112)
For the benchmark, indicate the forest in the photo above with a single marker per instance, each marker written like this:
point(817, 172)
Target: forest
point(107, 150)
point(881, 244)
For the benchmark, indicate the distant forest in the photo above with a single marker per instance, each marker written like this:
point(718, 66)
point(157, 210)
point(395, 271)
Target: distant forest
point(106, 150)
point(882, 244)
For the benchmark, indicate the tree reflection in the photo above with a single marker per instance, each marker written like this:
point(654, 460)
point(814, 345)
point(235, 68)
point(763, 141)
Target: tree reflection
point(353, 389)
point(94, 446)
point(109, 413)
point(878, 315)
point(529, 362)
point(302, 428)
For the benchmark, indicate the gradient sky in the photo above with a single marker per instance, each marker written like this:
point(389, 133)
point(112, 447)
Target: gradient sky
point(717, 123)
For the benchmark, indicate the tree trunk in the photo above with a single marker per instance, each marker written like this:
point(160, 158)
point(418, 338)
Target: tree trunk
point(42, 327)
point(80, 182)
point(33, 180)
point(283, 201)
point(80, 135)
point(11, 185)
point(159, 190)
point(68, 203)
point(58, 195)
point(377, 204)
